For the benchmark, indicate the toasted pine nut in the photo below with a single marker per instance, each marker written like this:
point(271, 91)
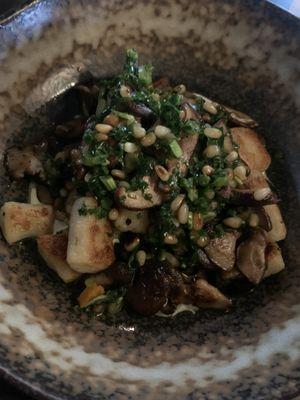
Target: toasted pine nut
point(212, 151)
point(183, 213)
point(176, 203)
point(180, 89)
point(241, 172)
point(117, 173)
point(130, 147)
point(101, 137)
point(233, 222)
point(171, 259)
point(103, 128)
point(113, 214)
point(207, 170)
point(161, 131)
point(138, 131)
point(202, 241)
point(162, 173)
point(232, 156)
point(112, 119)
point(261, 193)
point(209, 107)
point(170, 239)
point(141, 257)
point(148, 140)
point(212, 133)
point(125, 91)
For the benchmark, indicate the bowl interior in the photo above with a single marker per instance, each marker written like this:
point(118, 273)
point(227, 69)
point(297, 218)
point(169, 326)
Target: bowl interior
point(221, 50)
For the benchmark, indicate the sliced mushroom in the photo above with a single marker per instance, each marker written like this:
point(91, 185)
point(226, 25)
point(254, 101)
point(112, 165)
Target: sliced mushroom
point(147, 116)
point(189, 111)
point(264, 220)
point(245, 197)
point(221, 250)
point(204, 261)
point(21, 162)
point(208, 296)
point(256, 180)
point(251, 259)
point(278, 231)
point(150, 289)
point(138, 199)
point(274, 260)
point(239, 118)
point(251, 149)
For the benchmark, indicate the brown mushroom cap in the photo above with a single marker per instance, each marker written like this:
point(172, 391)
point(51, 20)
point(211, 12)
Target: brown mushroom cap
point(251, 256)
point(221, 250)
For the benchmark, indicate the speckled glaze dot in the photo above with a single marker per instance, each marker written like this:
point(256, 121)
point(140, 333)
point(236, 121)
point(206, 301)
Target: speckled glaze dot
point(242, 53)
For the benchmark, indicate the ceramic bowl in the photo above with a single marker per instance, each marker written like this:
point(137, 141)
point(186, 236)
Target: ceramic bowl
point(242, 53)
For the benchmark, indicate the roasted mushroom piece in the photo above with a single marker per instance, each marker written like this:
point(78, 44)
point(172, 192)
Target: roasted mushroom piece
point(208, 296)
point(147, 116)
point(221, 250)
point(188, 145)
point(251, 149)
point(138, 199)
point(250, 197)
point(21, 162)
point(251, 259)
point(150, 289)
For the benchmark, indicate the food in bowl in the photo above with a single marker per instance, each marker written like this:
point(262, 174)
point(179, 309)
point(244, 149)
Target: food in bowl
point(154, 197)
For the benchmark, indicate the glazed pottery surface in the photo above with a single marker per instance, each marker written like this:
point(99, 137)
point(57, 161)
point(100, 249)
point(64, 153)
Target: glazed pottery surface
point(242, 53)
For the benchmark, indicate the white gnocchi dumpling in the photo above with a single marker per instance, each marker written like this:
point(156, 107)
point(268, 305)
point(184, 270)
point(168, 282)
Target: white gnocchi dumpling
point(21, 220)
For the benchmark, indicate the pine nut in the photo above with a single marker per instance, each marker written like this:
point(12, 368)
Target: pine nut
point(176, 203)
point(117, 173)
point(202, 241)
point(197, 221)
point(162, 173)
point(112, 119)
point(170, 239)
point(148, 140)
point(212, 133)
point(63, 193)
point(138, 131)
point(125, 91)
point(212, 151)
point(183, 213)
point(214, 205)
point(161, 131)
point(229, 173)
point(141, 257)
point(253, 220)
point(133, 244)
point(209, 194)
point(207, 170)
point(171, 259)
point(233, 222)
point(113, 214)
point(261, 193)
point(241, 172)
point(124, 184)
point(232, 156)
point(87, 177)
point(101, 137)
point(227, 145)
point(180, 89)
point(103, 128)
point(130, 147)
point(209, 107)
